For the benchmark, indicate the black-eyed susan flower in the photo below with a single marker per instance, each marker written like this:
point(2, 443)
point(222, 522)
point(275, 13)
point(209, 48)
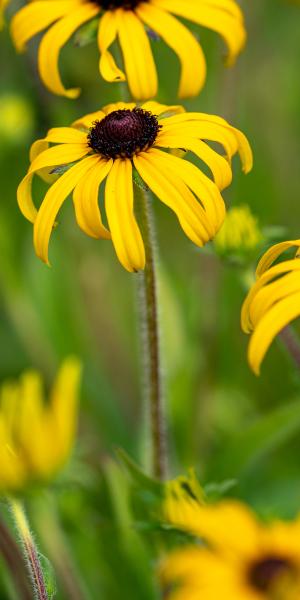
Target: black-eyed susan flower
point(112, 142)
point(236, 557)
point(272, 302)
point(240, 232)
point(36, 437)
point(126, 21)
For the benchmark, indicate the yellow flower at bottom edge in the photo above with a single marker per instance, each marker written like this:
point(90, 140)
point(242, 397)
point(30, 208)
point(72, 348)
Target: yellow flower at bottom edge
point(239, 559)
point(36, 437)
point(125, 21)
point(107, 145)
point(272, 302)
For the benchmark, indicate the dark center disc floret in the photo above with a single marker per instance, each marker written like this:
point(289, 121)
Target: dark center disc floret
point(264, 573)
point(113, 4)
point(123, 133)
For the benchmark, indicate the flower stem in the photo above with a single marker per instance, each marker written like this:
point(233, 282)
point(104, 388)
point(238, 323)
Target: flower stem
point(291, 343)
point(14, 562)
point(30, 551)
point(150, 331)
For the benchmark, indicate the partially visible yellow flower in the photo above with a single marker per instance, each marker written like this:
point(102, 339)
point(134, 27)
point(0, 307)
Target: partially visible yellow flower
point(107, 145)
point(239, 557)
point(3, 5)
point(126, 21)
point(16, 118)
point(239, 233)
point(272, 302)
point(36, 437)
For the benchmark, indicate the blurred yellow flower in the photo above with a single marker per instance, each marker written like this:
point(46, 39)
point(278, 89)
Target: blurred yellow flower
point(125, 21)
point(109, 143)
point(272, 302)
point(16, 118)
point(37, 437)
point(239, 233)
point(239, 558)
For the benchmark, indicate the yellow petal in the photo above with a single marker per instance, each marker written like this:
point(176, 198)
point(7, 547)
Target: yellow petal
point(36, 16)
point(124, 229)
point(154, 169)
point(138, 58)
point(66, 135)
point(273, 253)
point(54, 40)
point(218, 165)
point(108, 108)
point(52, 202)
point(183, 42)
point(278, 317)
point(87, 121)
point(162, 109)
point(58, 155)
point(63, 405)
point(106, 36)
point(211, 15)
point(273, 292)
point(85, 197)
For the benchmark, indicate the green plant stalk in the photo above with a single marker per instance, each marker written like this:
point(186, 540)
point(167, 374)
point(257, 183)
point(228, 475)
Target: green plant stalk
point(291, 343)
point(14, 561)
point(29, 549)
point(150, 333)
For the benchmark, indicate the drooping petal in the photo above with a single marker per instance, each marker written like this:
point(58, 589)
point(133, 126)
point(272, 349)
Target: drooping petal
point(273, 253)
point(280, 315)
point(65, 135)
point(54, 40)
point(138, 58)
point(52, 202)
point(57, 155)
point(124, 229)
point(183, 42)
point(36, 16)
point(85, 197)
point(213, 16)
point(154, 168)
point(106, 36)
point(218, 165)
point(213, 128)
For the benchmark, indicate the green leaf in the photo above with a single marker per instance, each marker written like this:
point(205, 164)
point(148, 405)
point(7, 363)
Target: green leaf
point(140, 478)
point(87, 33)
point(139, 181)
point(250, 446)
point(49, 576)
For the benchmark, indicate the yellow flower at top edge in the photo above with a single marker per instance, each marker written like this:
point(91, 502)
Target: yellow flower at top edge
point(239, 558)
point(125, 21)
point(36, 437)
point(239, 233)
point(272, 302)
point(107, 145)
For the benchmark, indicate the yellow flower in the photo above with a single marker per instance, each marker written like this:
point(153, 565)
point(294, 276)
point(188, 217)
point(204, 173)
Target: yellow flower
point(239, 558)
point(36, 438)
point(239, 233)
point(272, 302)
point(108, 144)
point(125, 21)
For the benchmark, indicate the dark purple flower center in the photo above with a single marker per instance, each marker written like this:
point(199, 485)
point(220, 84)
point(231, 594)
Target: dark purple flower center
point(112, 4)
point(265, 573)
point(123, 133)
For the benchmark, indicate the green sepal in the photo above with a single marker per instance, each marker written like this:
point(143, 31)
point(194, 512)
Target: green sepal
point(49, 576)
point(141, 480)
point(87, 33)
point(61, 169)
point(139, 181)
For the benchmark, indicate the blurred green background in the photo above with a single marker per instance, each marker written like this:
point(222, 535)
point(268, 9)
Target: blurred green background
point(223, 420)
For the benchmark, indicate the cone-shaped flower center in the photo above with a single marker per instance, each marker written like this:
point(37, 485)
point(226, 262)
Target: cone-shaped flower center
point(123, 133)
point(265, 573)
point(112, 4)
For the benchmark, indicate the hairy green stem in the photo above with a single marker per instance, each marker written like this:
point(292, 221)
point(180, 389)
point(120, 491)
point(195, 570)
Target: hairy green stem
point(14, 561)
point(150, 330)
point(31, 554)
